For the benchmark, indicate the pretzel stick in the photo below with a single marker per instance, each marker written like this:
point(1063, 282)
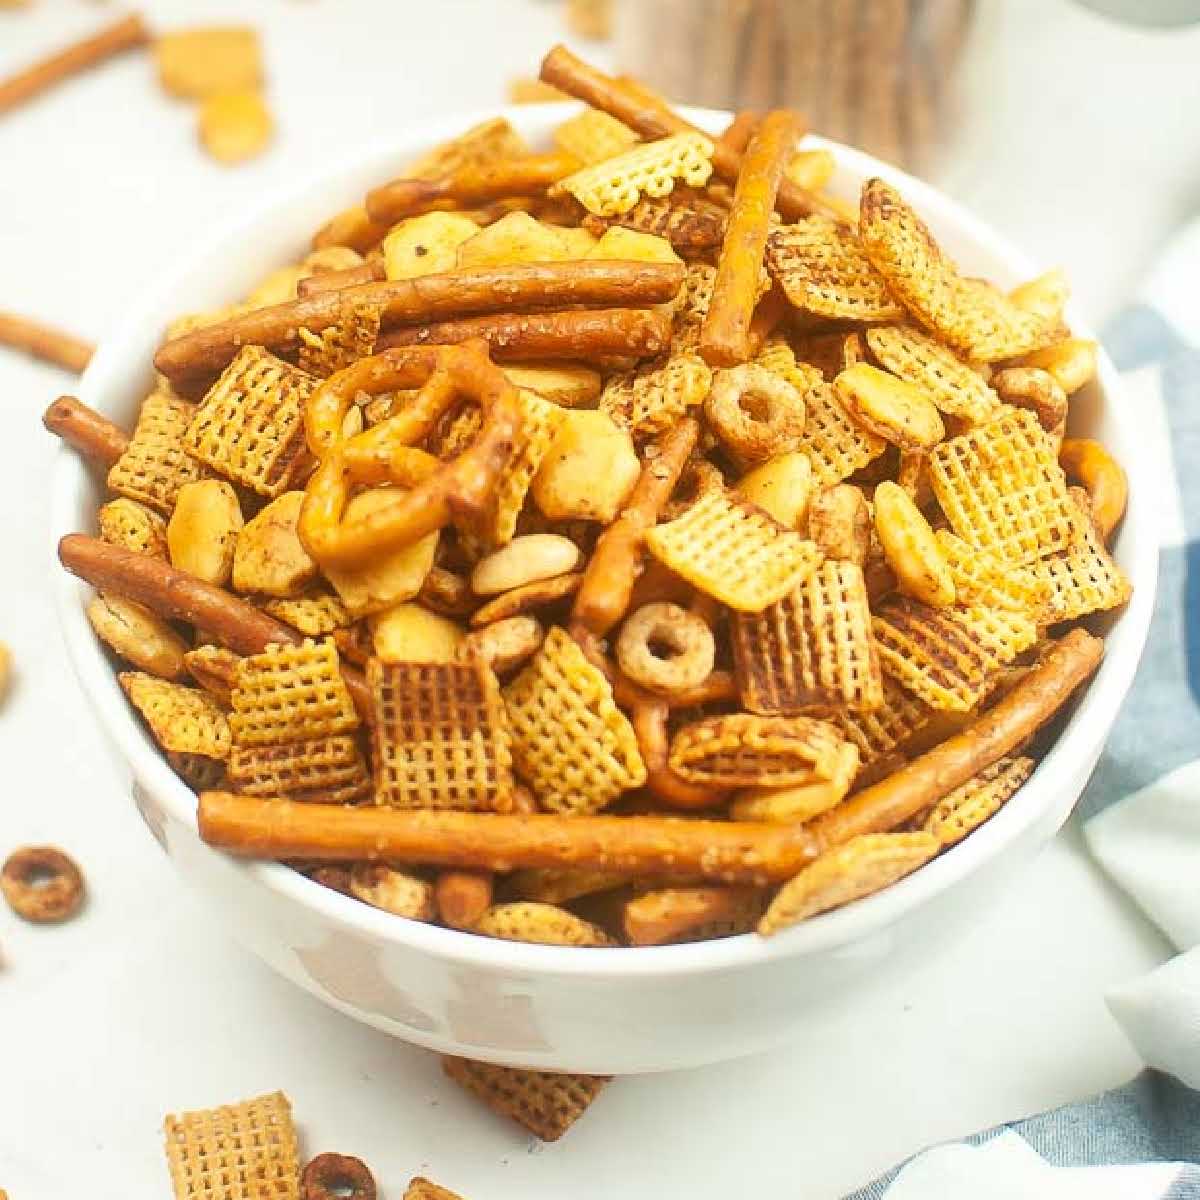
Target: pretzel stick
point(468, 186)
point(725, 336)
point(204, 353)
point(937, 772)
point(726, 851)
point(772, 308)
point(578, 333)
point(351, 227)
point(126, 33)
point(604, 595)
point(462, 896)
point(86, 431)
point(181, 597)
point(650, 726)
point(575, 77)
point(50, 345)
point(335, 281)
point(667, 914)
point(740, 130)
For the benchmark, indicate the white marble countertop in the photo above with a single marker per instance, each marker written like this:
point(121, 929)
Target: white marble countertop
point(1075, 142)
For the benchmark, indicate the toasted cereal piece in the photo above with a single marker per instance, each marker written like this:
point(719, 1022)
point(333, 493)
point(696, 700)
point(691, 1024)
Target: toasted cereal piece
point(198, 771)
point(394, 891)
point(540, 424)
point(441, 737)
point(529, 921)
point(593, 136)
point(544, 1102)
point(411, 633)
point(314, 613)
point(800, 802)
point(948, 656)
point(350, 338)
point(690, 223)
point(213, 668)
point(839, 521)
point(778, 357)
point(972, 317)
point(156, 464)
point(824, 272)
point(141, 637)
point(235, 125)
point(234, 1152)
point(836, 446)
point(389, 579)
point(692, 304)
point(526, 599)
point(269, 558)
point(515, 238)
point(897, 411)
point(196, 63)
point(290, 694)
point(426, 245)
point(756, 414)
point(879, 733)
point(629, 245)
point(691, 914)
point(910, 548)
point(588, 471)
point(571, 385)
point(250, 425)
point(571, 742)
point(813, 647)
point(327, 770)
point(860, 867)
point(734, 552)
point(828, 353)
point(615, 185)
point(133, 526)
point(780, 487)
point(968, 806)
point(985, 580)
point(651, 398)
point(182, 719)
point(489, 141)
point(203, 530)
point(956, 388)
point(420, 1188)
point(1002, 489)
point(1082, 579)
point(745, 750)
point(560, 886)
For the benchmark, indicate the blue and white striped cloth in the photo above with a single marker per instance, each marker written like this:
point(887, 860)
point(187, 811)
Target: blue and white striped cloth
point(1141, 815)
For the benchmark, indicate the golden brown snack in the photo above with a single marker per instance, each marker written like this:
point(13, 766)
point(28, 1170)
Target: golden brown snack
point(42, 884)
point(650, 718)
point(337, 1175)
point(666, 649)
point(86, 431)
point(757, 415)
point(141, 638)
point(526, 599)
point(544, 924)
point(235, 125)
point(1087, 462)
point(125, 34)
point(41, 341)
point(911, 549)
point(725, 337)
point(691, 914)
point(462, 897)
point(197, 63)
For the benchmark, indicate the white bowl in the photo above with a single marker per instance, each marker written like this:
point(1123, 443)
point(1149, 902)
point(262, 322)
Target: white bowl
point(611, 1011)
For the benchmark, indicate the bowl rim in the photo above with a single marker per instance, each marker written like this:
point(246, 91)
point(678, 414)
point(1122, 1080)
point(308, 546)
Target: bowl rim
point(1096, 708)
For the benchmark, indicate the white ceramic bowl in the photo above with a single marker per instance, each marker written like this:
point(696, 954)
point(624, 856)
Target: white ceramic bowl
point(618, 1011)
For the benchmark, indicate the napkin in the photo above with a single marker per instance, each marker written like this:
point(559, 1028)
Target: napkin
point(1141, 821)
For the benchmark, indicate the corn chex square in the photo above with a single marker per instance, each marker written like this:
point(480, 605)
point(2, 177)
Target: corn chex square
point(835, 445)
point(689, 222)
point(155, 464)
point(250, 425)
point(948, 656)
point(968, 806)
point(882, 730)
point(571, 742)
point(734, 552)
point(290, 694)
point(1002, 489)
point(983, 579)
point(1082, 579)
point(813, 647)
point(328, 770)
point(183, 720)
point(440, 737)
point(651, 398)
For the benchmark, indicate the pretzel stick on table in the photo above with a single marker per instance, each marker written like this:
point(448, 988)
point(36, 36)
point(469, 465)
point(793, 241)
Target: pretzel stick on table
point(574, 334)
point(725, 336)
point(469, 186)
point(50, 345)
point(604, 595)
point(86, 431)
point(661, 847)
point(125, 34)
point(181, 597)
point(196, 358)
point(572, 75)
point(999, 731)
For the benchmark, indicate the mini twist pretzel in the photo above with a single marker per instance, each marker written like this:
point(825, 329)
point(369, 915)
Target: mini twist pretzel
point(751, 438)
point(460, 488)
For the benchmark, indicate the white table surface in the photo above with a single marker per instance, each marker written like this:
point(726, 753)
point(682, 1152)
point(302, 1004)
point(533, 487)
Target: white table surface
point(1074, 141)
